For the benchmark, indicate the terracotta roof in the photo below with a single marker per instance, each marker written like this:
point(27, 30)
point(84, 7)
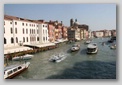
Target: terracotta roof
point(8, 17)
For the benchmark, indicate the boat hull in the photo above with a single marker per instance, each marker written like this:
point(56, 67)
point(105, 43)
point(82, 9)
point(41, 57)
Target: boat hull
point(17, 73)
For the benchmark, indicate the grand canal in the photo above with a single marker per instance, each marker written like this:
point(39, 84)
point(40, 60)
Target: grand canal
point(77, 65)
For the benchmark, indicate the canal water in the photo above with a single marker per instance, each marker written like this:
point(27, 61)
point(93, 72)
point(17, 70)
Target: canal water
point(77, 65)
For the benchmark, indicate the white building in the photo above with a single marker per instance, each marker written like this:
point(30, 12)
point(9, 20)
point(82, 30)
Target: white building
point(18, 31)
point(43, 33)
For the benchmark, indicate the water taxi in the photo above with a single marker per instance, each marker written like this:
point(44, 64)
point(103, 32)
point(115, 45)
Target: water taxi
point(12, 71)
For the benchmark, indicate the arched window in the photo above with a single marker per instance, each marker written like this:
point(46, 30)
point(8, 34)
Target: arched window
point(16, 40)
point(4, 40)
point(12, 40)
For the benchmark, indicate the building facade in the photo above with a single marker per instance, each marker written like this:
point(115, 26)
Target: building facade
point(20, 31)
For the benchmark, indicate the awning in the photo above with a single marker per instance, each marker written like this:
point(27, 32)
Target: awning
point(42, 44)
point(16, 49)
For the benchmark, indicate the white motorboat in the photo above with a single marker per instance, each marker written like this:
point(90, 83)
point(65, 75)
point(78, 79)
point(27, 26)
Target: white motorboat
point(87, 42)
point(12, 71)
point(57, 58)
point(75, 47)
point(24, 57)
point(27, 57)
point(17, 58)
point(113, 46)
point(92, 48)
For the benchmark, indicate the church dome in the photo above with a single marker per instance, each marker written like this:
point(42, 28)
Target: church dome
point(76, 23)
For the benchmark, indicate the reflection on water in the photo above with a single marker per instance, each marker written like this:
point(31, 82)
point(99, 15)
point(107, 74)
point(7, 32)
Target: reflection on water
point(77, 65)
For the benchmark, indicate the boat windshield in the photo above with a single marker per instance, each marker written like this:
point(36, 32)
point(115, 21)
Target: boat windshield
point(91, 49)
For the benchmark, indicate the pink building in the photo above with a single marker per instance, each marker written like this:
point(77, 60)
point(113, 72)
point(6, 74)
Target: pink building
point(64, 32)
point(51, 32)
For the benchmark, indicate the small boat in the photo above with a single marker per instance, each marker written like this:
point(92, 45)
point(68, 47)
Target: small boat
point(24, 57)
point(17, 58)
point(75, 47)
point(87, 42)
point(92, 48)
point(57, 58)
point(27, 57)
point(12, 71)
point(113, 46)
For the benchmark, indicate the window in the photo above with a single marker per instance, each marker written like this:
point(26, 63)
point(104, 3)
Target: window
point(4, 29)
point(27, 39)
point(43, 25)
point(19, 67)
point(23, 31)
point(26, 24)
point(4, 23)
point(37, 38)
point(11, 30)
point(15, 23)
point(12, 40)
point(4, 40)
point(10, 22)
point(10, 72)
point(23, 39)
point(22, 24)
point(16, 40)
point(15, 69)
point(26, 31)
point(30, 31)
point(37, 25)
point(16, 30)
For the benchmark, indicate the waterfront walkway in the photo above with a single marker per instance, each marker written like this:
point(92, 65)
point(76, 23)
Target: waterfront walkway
point(14, 49)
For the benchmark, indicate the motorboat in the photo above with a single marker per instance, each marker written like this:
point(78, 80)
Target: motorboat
point(75, 47)
point(57, 58)
point(14, 70)
point(88, 42)
point(27, 57)
point(113, 46)
point(92, 48)
point(24, 57)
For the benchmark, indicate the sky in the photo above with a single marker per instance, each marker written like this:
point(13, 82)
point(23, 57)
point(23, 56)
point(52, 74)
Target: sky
point(96, 16)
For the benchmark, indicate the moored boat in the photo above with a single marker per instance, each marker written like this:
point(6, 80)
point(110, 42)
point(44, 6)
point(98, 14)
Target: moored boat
point(27, 57)
point(12, 71)
point(24, 57)
point(92, 48)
